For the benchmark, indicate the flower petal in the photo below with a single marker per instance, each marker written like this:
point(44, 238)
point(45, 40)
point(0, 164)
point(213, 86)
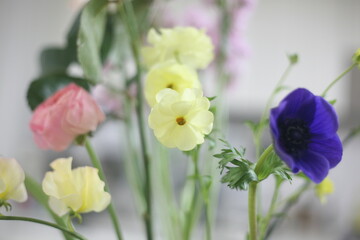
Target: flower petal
point(330, 148)
point(325, 123)
point(313, 165)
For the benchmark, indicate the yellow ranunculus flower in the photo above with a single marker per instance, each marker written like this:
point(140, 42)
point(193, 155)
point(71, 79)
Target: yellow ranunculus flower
point(187, 45)
point(323, 189)
point(79, 190)
point(181, 119)
point(169, 75)
point(12, 178)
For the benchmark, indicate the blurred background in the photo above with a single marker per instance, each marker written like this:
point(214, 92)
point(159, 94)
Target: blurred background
point(324, 33)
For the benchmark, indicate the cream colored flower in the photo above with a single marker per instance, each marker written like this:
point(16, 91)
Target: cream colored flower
point(79, 190)
point(181, 119)
point(12, 178)
point(169, 75)
point(187, 45)
point(326, 187)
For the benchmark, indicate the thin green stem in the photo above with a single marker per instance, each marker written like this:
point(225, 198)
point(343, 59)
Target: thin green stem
point(353, 133)
point(338, 78)
point(34, 220)
point(111, 209)
point(252, 211)
point(190, 215)
point(252, 196)
point(132, 27)
point(290, 202)
point(272, 209)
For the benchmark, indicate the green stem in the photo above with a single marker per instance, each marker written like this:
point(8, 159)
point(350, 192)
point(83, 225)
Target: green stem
point(252, 211)
point(252, 196)
point(111, 209)
point(35, 190)
point(34, 220)
point(127, 10)
point(190, 215)
point(290, 202)
point(338, 78)
point(272, 209)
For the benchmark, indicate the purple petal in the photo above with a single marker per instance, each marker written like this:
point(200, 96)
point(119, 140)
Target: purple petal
point(297, 98)
point(313, 165)
point(274, 115)
point(330, 148)
point(325, 123)
point(285, 157)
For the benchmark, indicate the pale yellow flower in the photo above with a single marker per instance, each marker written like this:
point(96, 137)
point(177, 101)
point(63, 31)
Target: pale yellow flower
point(79, 190)
point(12, 178)
point(169, 75)
point(326, 187)
point(187, 45)
point(181, 119)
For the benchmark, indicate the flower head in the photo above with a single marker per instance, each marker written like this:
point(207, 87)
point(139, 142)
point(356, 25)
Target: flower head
point(12, 178)
point(323, 189)
point(79, 190)
point(68, 113)
point(187, 45)
point(303, 128)
point(169, 75)
point(181, 119)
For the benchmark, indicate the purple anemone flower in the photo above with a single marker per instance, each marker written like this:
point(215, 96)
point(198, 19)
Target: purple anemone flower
point(303, 128)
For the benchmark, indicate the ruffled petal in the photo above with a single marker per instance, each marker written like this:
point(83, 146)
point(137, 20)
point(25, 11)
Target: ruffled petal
point(325, 123)
point(313, 165)
point(330, 148)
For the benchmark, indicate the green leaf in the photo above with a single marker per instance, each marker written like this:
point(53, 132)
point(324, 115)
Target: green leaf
point(211, 98)
point(240, 171)
point(109, 36)
point(273, 165)
point(91, 32)
point(42, 88)
point(54, 60)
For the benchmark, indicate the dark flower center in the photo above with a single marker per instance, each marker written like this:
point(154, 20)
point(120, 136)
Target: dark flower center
point(294, 135)
point(180, 121)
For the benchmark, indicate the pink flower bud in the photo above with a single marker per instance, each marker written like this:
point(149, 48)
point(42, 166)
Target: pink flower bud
point(68, 113)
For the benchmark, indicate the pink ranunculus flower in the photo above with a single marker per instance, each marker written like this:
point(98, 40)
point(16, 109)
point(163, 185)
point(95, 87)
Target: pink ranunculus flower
point(68, 113)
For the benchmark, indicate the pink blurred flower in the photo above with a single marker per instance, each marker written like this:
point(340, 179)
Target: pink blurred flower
point(68, 113)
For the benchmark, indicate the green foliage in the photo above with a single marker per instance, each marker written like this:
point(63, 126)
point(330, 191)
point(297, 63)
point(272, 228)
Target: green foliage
point(332, 102)
point(91, 33)
point(273, 165)
point(256, 127)
point(54, 60)
point(240, 171)
point(42, 88)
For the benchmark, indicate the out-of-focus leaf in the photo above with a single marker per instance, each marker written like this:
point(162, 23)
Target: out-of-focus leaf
point(42, 88)
point(91, 32)
point(54, 60)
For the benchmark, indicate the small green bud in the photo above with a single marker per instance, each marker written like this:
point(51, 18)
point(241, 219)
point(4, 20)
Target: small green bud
point(356, 57)
point(293, 58)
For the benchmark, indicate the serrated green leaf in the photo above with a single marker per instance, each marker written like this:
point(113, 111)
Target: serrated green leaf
point(91, 32)
point(42, 88)
point(273, 165)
